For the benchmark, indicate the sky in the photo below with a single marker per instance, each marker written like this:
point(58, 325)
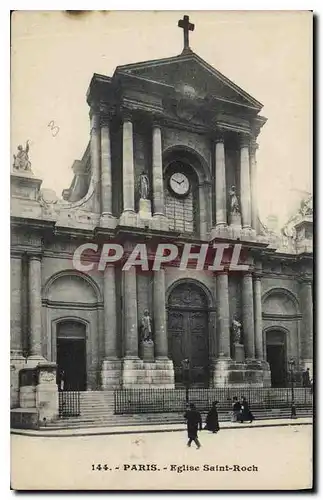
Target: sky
point(266, 53)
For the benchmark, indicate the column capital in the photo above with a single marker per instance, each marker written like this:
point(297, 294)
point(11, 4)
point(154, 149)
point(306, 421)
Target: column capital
point(247, 274)
point(106, 117)
point(253, 146)
point(15, 253)
point(95, 118)
point(244, 140)
point(36, 256)
point(223, 272)
point(126, 114)
point(218, 136)
point(257, 276)
point(156, 120)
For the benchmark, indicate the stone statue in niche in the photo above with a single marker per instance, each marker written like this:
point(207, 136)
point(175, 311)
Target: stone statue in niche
point(146, 328)
point(144, 186)
point(21, 160)
point(234, 203)
point(236, 331)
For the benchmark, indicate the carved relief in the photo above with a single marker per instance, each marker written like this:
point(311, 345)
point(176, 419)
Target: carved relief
point(187, 295)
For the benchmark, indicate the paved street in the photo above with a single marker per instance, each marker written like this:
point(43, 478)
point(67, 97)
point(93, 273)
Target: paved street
point(259, 458)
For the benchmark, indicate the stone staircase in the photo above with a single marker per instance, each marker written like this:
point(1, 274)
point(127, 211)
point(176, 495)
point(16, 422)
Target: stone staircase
point(97, 410)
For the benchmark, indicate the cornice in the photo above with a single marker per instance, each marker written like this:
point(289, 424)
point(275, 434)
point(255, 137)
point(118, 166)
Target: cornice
point(281, 317)
point(71, 305)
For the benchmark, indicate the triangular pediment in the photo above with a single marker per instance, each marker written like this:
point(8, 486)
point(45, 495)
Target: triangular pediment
point(192, 71)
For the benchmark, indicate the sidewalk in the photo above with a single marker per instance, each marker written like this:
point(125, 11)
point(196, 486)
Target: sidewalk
point(140, 429)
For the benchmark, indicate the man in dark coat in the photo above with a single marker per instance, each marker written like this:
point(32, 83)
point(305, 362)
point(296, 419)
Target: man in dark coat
point(212, 419)
point(194, 423)
point(245, 411)
point(236, 409)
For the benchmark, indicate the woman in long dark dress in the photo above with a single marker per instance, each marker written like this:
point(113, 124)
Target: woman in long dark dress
point(245, 411)
point(212, 419)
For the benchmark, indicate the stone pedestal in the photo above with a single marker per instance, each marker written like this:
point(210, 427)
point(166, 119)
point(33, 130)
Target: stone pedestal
point(144, 209)
point(17, 362)
point(111, 374)
point(147, 350)
point(221, 372)
point(238, 352)
point(252, 373)
point(140, 374)
point(46, 392)
point(27, 388)
point(235, 220)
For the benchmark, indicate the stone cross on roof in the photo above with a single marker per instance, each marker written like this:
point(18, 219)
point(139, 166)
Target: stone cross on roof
point(186, 26)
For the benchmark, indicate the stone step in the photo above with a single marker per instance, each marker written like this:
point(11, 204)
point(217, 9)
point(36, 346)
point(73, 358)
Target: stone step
point(124, 420)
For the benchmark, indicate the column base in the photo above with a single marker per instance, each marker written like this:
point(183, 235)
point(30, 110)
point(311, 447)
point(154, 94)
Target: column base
point(108, 221)
point(248, 234)
point(140, 374)
point(34, 360)
point(219, 231)
point(111, 373)
point(128, 218)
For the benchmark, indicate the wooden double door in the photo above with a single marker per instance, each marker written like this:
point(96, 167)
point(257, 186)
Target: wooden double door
point(188, 334)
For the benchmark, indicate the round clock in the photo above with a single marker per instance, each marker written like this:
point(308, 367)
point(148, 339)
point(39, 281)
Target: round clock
point(179, 184)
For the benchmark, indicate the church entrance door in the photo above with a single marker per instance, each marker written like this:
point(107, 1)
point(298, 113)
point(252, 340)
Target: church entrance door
point(188, 334)
point(276, 357)
point(71, 356)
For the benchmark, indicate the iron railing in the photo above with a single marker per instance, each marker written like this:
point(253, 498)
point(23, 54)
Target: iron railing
point(131, 401)
point(68, 404)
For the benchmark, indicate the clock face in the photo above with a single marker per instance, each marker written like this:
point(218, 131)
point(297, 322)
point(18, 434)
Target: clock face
point(179, 183)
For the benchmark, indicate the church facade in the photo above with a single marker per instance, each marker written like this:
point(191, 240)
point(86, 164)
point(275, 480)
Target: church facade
point(171, 160)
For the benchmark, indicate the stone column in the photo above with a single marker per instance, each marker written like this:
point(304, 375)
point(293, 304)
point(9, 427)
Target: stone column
point(223, 320)
point(258, 316)
point(130, 314)
point(111, 365)
point(17, 360)
point(95, 146)
point(220, 182)
point(248, 316)
point(128, 164)
point(158, 184)
point(203, 198)
point(245, 190)
point(16, 347)
point(35, 307)
point(161, 341)
point(253, 182)
point(307, 323)
point(110, 313)
point(106, 169)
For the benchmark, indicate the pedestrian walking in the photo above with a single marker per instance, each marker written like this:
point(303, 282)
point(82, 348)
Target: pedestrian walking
point(293, 410)
point(212, 419)
point(306, 378)
point(194, 424)
point(245, 413)
point(236, 409)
